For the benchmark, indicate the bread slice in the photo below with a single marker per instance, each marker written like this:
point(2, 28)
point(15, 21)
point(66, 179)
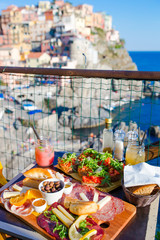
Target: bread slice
point(83, 208)
point(143, 190)
point(80, 207)
point(31, 183)
point(38, 174)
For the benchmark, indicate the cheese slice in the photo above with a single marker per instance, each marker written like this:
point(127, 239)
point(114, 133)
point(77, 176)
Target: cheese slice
point(59, 176)
point(8, 194)
point(67, 222)
point(95, 198)
point(104, 201)
point(17, 188)
point(66, 213)
point(83, 196)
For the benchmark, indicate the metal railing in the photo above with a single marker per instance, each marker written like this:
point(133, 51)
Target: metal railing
point(70, 106)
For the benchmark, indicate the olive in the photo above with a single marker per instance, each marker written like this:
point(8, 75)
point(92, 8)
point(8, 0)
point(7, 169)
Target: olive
point(51, 184)
point(45, 183)
point(47, 187)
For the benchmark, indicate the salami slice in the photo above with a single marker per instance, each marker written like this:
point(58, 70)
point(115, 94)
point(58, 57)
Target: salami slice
point(77, 189)
point(119, 205)
point(107, 212)
point(87, 190)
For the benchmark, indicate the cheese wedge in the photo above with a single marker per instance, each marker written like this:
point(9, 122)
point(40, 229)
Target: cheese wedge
point(67, 222)
point(63, 210)
point(95, 198)
point(84, 197)
point(17, 188)
point(8, 194)
point(104, 201)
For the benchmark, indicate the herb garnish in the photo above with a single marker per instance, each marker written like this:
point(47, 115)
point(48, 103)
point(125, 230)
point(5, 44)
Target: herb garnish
point(117, 165)
point(63, 231)
point(90, 163)
point(83, 227)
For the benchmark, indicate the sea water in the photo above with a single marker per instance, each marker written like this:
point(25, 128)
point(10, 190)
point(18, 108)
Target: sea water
point(146, 61)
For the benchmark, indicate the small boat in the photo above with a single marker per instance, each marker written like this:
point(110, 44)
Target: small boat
point(9, 110)
point(35, 111)
point(29, 107)
point(108, 107)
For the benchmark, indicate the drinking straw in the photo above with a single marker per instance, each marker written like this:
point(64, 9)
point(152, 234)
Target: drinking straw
point(139, 136)
point(143, 137)
point(35, 132)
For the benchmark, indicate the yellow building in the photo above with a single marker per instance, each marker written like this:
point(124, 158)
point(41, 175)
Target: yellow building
point(44, 5)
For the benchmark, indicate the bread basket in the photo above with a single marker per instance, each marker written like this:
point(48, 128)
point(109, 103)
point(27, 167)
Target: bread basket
point(139, 200)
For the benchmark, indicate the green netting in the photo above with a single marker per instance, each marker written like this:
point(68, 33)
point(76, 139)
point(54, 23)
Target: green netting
point(68, 110)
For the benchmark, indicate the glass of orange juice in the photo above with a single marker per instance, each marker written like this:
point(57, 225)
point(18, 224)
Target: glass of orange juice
point(135, 153)
point(44, 152)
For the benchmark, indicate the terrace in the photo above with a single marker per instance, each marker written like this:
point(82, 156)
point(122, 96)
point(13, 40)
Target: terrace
point(74, 103)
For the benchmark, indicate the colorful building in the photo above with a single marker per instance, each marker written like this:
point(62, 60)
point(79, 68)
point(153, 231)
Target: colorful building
point(98, 20)
point(48, 15)
point(84, 9)
point(38, 59)
point(44, 5)
point(9, 56)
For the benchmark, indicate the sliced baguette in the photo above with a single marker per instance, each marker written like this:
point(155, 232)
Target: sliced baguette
point(143, 190)
point(80, 207)
point(38, 174)
point(83, 208)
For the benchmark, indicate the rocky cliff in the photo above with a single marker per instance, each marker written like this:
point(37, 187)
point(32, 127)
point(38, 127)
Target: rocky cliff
point(100, 55)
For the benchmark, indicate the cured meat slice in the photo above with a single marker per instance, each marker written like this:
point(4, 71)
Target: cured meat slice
point(119, 205)
point(95, 226)
point(45, 222)
point(107, 212)
point(23, 210)
point(78, 188)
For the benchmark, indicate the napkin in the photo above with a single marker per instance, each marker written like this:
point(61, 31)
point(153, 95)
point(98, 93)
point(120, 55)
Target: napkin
point(141, 174)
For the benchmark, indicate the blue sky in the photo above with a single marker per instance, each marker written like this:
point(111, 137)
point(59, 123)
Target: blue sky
point(138, 21)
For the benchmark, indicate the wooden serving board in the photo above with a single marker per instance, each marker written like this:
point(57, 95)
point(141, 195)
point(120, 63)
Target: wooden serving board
point(111, 228)
point(111, 232)
point(76, 176)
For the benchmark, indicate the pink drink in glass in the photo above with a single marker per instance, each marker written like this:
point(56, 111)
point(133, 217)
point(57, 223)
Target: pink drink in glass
point(44, 153)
